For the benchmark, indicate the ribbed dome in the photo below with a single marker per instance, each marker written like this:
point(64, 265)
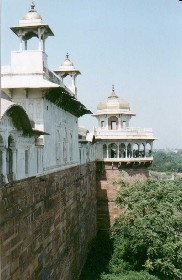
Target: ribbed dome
point(113, 102)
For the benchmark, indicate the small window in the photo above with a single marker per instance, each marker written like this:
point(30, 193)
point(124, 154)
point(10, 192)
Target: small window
point(113, 125)
point(102, 123)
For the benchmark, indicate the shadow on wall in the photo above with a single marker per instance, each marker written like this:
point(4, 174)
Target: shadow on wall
point(107, 190)
point(100, 252)
point(101, 248)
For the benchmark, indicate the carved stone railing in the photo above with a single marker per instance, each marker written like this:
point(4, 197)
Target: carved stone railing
point(124, 133)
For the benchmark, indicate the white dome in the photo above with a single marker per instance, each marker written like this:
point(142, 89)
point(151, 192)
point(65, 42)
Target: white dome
point(113, 102)
point(67, 61)
point(32, 14)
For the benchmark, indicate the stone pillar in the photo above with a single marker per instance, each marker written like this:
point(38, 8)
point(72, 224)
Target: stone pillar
point(107, 124)
point(119, 123)
point(73, 86)
point(107, 151)
point(126, 151)
point(21, 44)
point(131, 151)
point(40, 40)
point(118, 151)
point(26, 45)
point(44, 44)
point(151, 149)
point(144, 150)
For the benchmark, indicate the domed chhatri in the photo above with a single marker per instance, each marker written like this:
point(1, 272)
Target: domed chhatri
point(112, 109)
point(67, 69)
point(113, 102)
point(32, 14)
point(30, 26)
point(116, 140)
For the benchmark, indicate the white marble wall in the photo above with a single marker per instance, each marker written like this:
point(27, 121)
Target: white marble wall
point(49, 153)
point(18, 147)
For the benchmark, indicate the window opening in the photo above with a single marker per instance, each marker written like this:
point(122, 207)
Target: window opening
point(102, 123)
point(113, 125)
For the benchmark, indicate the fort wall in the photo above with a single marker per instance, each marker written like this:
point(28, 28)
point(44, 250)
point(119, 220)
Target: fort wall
point(47, 223)
point(107, 189)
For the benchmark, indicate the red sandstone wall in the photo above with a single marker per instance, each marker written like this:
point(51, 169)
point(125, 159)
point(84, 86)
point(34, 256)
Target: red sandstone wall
point(107, 210)
point(46, 224)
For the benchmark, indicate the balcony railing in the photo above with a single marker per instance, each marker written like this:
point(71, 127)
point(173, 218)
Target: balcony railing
point(128, 132)
point(129, 160)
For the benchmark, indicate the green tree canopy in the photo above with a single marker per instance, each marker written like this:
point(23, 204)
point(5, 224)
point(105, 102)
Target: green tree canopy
point(148, 234)
point(167, 161)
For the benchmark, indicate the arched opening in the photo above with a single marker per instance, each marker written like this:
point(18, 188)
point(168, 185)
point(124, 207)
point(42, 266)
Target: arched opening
point(102, 124)
point(122, 150)
point(9, 156)
point(112, 150)
point(142, 150)
point(104, 151)
point(123, 124)
point(148, 150)
point(135, 150)
point(31, 44)
point(113, 123)
point(67, 80)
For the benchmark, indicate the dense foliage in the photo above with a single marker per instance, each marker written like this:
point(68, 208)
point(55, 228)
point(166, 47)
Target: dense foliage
point(167, 161)
point(146, 239)
point(148, 234)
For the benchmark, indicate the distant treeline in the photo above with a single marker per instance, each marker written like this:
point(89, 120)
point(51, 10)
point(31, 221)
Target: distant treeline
point(167, 161)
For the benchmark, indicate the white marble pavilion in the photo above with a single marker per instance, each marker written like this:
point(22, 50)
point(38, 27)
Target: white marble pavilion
point(116, 140)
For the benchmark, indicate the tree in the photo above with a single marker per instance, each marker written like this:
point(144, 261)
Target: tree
point(167, 161)
point(148, 234)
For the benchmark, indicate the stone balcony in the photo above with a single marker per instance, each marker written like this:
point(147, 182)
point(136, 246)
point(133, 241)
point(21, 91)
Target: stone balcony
point(128, 162)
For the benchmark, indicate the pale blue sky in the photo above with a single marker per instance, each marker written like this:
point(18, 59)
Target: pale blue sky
point(135, 44)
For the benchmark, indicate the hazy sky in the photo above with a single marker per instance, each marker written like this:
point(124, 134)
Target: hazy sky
point(135, 44)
